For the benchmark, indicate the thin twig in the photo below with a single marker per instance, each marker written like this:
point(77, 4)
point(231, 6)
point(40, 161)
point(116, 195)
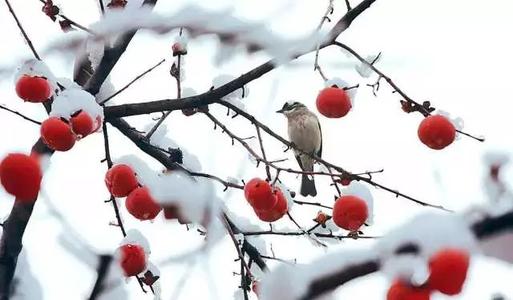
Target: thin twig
point(262, 149)
point(237, 246)
point(178, 80)
point(348, 5)
point(71, 22)
point(20, 114)
point(25, 36)
point(300, 233)
point(113, 199)
point(102, 7)
point(329, 11)
point(132, 82)
point(343, 172)
point(418, 107)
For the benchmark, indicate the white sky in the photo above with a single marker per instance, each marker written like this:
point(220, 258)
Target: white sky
point(454, 53)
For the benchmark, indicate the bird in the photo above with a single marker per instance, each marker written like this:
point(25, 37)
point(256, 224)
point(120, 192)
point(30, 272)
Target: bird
point(305, 133)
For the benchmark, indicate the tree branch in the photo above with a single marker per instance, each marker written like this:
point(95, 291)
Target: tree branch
point(110, 58)
point(482, 229)
point(103, 268)
point(13, 230)
point(416, 106)
point(25, 36)
point(212, 96)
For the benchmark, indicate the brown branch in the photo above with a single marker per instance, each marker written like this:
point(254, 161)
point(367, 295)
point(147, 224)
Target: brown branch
point(176, 73)
point(312, 204)
point(247, 247)
point(483, 229)
point(20, 114)
point(103, 268)
point(237, 246)
point(143, 143)
point(343, 172)
point(329, 11)
point(416, 106)
point(213, 95)
point(13, 230)
point(131, 82)
point(347, 19)
point(110, 58)
point(109, 165)
point(102, 7)
point(71, 22)
point(264, 157)
point(25, 36)
point(303, 232)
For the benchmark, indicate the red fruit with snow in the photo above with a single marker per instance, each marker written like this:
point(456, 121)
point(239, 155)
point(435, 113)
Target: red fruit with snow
point(33, 89)
point(178, 49)
point(350, 212)
point(277, 211)
point(141, 204)
point(133, 259)
point(333, 102)
point(259, 194)
point(20, 176)
point(121, 180)
point(448, 270)
point(57, 134)
point(402, 291)
point(82, 123)
point(436, 132)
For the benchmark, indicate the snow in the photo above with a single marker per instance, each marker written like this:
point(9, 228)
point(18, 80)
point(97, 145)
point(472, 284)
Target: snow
point(72, 100)
point(456, 121)
point(194, 196)
point(199, 21)
point(188, 92)
point(363, 69)
point(362, 191)
point(135, 237)
point(290, 282)
point(340, 83)
point(145, 175)
point(161, 137)
point(37, 68)
point(286, 192)
point(235, 96)
point(408, 268)
point(430, 232)
point(95, 50)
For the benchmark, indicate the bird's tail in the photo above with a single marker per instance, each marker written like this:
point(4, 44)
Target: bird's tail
point(308, 186)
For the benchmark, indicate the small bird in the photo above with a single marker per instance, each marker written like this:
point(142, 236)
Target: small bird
point(305, 132)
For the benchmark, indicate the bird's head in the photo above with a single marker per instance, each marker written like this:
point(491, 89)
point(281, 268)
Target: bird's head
point(291, 107)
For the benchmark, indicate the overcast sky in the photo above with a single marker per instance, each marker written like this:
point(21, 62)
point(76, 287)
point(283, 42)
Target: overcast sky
point(456, 53)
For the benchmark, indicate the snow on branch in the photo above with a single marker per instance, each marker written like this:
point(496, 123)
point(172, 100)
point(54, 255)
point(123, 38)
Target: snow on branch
point(417, 239)
point(229, 29)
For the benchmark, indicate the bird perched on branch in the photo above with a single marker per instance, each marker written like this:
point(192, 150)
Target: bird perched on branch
point(305, 133)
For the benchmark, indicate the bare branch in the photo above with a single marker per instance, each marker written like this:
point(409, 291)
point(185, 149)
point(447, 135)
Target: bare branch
point(131, 82)
point(343, 172)
point(25, 36)
point(20, 114)
point(415, 106)
point(482, 229)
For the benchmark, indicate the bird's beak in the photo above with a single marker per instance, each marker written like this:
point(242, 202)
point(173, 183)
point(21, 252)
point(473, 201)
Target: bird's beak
point(280, 111)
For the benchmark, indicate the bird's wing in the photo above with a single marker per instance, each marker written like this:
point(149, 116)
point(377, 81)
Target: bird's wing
point(319, 153)
point(298, 158)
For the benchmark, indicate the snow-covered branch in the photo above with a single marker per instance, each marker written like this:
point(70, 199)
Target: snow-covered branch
point(421, 237)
